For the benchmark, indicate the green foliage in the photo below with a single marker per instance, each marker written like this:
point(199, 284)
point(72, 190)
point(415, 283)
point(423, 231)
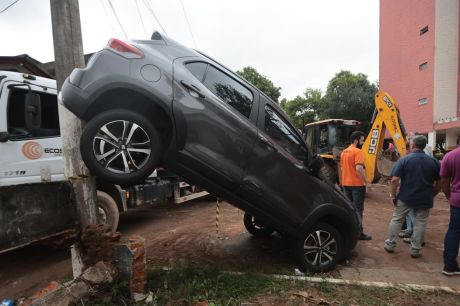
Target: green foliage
point(349, 96)
point(261, 82)
point(303, 109)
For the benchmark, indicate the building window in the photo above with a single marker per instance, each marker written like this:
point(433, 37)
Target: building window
point(422, 101)
point(423, 30)
point(423, 66)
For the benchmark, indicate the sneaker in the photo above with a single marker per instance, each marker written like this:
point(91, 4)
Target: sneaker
point(404, 235)
point(365, 237)
point(414, 253)
point(407, 240)
point(451, 272)
point(388, 248)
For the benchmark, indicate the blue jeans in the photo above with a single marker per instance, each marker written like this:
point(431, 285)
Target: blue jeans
point(356, 195)
point(452, 239)
point(409, 223)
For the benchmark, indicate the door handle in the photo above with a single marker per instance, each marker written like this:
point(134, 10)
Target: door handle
point(268, 143)
point(193, 89)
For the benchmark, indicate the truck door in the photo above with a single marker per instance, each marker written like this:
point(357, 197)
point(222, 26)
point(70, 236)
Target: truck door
point(213, 110)
point(29, 156)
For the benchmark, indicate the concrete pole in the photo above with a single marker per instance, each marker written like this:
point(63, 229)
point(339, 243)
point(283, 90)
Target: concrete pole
point(68, 53)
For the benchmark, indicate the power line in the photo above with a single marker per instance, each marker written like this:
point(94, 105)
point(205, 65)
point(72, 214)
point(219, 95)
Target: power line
point(118, 19)
point(9, 6)
point(153, 14)
point(188, 24)
point(140, 15)
point(107, 17)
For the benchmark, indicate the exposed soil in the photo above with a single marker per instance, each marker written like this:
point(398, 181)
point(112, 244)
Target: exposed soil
point(188, 233)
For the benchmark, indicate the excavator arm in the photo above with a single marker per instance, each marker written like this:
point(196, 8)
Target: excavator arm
point(386, 118)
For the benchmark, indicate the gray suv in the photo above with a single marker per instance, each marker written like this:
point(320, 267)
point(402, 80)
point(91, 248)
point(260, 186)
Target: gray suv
point(156, 102)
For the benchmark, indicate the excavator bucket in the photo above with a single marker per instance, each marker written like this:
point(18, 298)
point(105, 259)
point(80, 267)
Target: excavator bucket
point(385, 166)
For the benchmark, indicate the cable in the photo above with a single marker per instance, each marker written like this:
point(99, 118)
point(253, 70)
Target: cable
point(9, 6)
point(188, 24)
point(153, 14)
point(116, 16)
point(140, 15)
point(107, 17)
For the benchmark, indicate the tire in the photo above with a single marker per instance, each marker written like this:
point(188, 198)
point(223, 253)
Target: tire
point(319, 249)
point(107, 211)
point(257, 227)
point(328, 174)
point(121, 147)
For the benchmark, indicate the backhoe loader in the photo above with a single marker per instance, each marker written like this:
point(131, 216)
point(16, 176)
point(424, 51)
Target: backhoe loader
point(329, 137)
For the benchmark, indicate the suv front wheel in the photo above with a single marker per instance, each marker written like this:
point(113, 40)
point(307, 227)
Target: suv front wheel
point(120, 146)
point(319, 249)
point(257, 227)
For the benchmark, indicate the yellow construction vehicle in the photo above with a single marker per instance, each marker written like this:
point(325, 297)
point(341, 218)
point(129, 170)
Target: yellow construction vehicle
point(329, 137)
point(386, 119)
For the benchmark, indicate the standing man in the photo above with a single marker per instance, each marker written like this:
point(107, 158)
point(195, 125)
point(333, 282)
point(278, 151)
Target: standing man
point(419, 177)
point(354, 180)
point(450, 182)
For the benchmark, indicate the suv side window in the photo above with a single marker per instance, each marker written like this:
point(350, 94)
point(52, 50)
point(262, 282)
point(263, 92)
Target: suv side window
point(229, 90)
point(198, 69)
point(16, 115)
point(283, 134)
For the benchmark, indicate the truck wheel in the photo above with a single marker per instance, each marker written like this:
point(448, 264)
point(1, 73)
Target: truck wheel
point(319, 249)
point(121, 147)
point(257, 227)
point(107, 211)
point(328, 174)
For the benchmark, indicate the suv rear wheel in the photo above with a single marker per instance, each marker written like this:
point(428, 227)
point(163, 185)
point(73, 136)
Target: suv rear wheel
point(320, 249)
point(120, 146)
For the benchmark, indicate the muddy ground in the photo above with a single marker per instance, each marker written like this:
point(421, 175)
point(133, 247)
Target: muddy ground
point(188, 233)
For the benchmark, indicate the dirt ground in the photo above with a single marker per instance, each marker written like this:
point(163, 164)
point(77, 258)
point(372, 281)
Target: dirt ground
point(188, 233)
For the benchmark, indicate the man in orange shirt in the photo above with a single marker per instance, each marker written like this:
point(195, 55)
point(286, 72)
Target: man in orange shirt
point(354, 180)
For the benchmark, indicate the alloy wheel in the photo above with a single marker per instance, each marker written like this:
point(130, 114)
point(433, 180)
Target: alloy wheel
point(122, 146)
point(320, 248)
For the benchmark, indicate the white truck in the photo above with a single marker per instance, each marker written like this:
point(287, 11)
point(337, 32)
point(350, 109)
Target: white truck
point(36, 201)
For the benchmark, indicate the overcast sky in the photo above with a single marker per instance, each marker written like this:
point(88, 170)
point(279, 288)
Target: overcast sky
point(295, 43)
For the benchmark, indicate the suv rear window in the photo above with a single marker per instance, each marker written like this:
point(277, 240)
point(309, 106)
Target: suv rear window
point(229, 90)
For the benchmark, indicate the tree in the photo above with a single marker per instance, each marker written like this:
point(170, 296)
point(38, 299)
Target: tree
point(303, 109)
point(261, 82)
point(349, 96)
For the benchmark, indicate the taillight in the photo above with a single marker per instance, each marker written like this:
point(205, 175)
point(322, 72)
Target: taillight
point(125, 49)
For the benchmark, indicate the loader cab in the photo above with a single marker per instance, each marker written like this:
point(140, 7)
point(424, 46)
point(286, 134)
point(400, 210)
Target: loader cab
point(329, 136)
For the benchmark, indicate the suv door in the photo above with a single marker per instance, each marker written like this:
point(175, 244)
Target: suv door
point(213, 110)
point(30, 156)
point(277, 180)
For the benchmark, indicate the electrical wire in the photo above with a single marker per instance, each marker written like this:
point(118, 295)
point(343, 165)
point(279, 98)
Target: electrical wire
point(107, 17)
point(118, 19)
point(6, 8)
point(140, 15)
point(153, 14)
point(188, 24)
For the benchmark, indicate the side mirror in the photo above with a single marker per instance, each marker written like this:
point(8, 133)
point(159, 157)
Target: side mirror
point(316, 164)
point(33, 111)
point(4, 136)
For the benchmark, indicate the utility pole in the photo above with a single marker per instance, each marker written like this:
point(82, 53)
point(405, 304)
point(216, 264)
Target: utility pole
point(68, 54)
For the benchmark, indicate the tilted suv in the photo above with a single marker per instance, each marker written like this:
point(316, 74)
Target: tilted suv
point(157, 102)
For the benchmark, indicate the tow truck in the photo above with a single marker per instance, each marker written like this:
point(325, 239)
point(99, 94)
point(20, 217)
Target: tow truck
point(36, 202)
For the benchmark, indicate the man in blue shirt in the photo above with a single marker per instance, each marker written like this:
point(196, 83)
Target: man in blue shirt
point(420, 182)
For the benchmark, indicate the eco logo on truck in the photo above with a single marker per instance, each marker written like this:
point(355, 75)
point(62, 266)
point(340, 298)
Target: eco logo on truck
point(32, 150)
